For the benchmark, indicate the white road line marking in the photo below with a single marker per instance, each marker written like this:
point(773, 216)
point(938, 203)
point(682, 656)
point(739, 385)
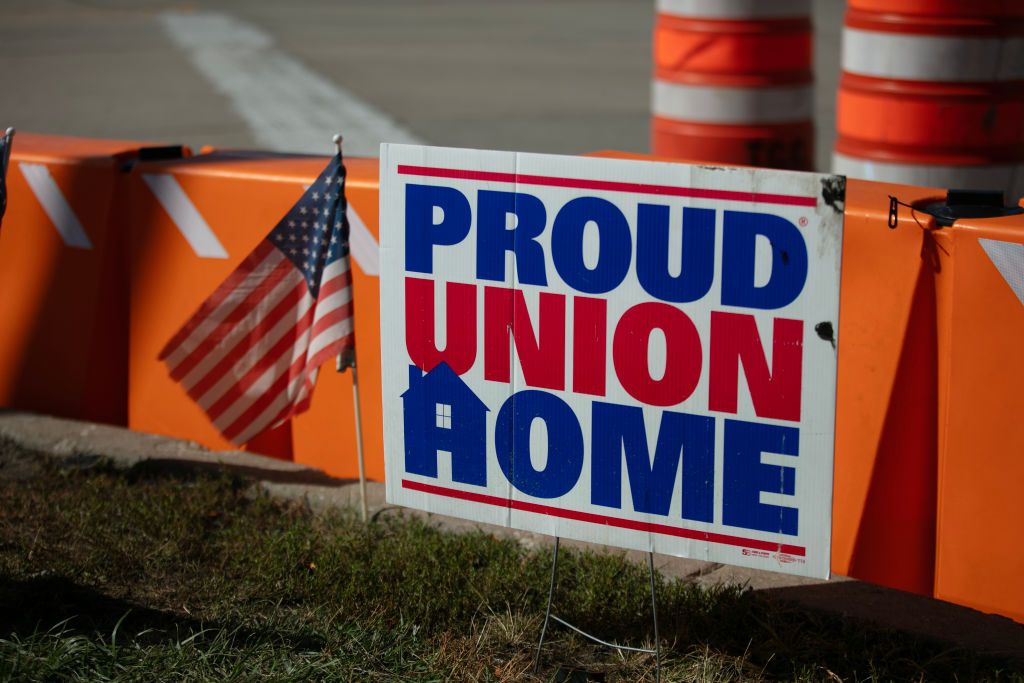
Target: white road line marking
point(288, 106)
point(1008, 258)
point(185, 215)
point(55, 205)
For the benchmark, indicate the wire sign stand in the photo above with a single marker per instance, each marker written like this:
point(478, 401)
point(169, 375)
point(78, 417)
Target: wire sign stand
point(548, 616)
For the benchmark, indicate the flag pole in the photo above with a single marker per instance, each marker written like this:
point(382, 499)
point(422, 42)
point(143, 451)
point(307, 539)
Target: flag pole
point(342, 363)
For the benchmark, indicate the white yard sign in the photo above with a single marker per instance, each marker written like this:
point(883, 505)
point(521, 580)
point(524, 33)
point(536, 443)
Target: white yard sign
point(639, 354)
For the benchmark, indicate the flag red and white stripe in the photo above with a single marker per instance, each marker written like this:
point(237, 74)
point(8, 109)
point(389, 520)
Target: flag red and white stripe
point(249, 355)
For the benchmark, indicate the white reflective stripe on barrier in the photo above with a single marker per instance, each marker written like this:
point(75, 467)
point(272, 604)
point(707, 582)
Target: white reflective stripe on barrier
point(1006, 177)
point(736, 9)
point(728, 105)
point(362, 245)
point(185, 215)
point(1008, 258)
point(951, 59)
point(60, 213)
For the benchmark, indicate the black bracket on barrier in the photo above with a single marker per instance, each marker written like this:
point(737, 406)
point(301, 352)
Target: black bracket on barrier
point(958, 204)
point(548, 616)
point(153, 153)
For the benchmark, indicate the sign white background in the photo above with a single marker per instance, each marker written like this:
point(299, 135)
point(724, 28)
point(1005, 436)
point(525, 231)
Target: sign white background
point(821, 227)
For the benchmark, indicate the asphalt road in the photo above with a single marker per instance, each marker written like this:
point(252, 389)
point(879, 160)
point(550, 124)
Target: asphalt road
point(562, 76)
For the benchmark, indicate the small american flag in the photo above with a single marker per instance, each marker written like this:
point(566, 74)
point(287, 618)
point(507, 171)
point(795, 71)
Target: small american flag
point(5, 157)
point(249, 355)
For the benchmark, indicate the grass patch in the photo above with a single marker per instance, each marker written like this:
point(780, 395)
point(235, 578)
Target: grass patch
point(140, 575)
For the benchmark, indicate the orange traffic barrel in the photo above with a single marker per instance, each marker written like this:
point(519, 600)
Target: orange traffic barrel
point(733, 82)
point(932, 93)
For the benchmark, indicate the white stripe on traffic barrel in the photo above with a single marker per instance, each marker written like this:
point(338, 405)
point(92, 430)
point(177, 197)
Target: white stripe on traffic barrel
point(950, 59)
point(725, 105)
point(987, 177)
point(736, 9)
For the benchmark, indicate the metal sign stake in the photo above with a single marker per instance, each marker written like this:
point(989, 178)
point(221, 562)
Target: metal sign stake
point(548, 616)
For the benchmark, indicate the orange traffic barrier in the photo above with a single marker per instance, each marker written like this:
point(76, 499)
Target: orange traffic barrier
point(732, 82)
point(928, 443)
point(979, 557)
point(193, 221)
point(932, 93)
point(64, 308)
point(883, 501)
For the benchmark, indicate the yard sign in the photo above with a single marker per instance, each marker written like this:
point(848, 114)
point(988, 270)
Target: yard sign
point(638, 354)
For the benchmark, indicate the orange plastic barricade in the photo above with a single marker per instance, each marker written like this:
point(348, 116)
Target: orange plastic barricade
point(193, 221)
point(64, 308)
point(932, 93)
point(732, 82)
point(979, 556)
point(883, 506)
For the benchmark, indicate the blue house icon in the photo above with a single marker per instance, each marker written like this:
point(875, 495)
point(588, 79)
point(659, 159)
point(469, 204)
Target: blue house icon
point(443, 416)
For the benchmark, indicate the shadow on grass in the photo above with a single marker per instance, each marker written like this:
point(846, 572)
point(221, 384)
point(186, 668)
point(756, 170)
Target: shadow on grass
point(843, 629)
point(39, 604)
point(188, 470)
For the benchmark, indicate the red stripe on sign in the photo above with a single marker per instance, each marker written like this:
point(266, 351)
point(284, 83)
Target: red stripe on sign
point(578, 516)
point(607, 185)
